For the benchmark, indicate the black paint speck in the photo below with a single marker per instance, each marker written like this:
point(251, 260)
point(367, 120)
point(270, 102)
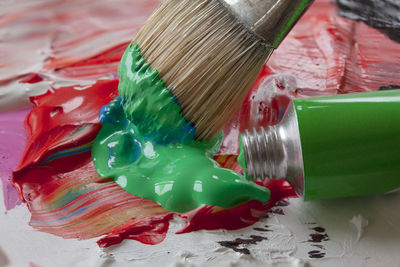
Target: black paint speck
point(316, 254)
point(319, 235)
point(236, 244)
point(277, 211)
point(383, 15)
point(265, 216)
point(319, 229)
point(262, 229)
point(318, 238)
point(389, 87)
point(282, 203)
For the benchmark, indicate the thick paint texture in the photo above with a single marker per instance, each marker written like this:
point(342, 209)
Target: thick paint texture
point(63, 43)
point(57, 179)
point(148, 147)
point(67, 44)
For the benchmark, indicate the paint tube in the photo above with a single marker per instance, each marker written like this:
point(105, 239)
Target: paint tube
point(329, 147)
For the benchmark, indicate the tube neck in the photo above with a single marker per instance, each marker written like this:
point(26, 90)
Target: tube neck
point(264, 153)
point(276, 152)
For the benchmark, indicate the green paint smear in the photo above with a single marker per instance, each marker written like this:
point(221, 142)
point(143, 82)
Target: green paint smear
point(242, 158)
point(292, 20)
point(148, 147)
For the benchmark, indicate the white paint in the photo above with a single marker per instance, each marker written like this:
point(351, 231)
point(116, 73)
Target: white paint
point(79, 85)
point(103, 41)
point(201, 248)
point(23, 245)
point(360, 223)
point(268, 90)
point(15, 95)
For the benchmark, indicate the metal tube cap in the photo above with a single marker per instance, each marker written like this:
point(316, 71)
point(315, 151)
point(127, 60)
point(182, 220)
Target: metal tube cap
point(270, 19)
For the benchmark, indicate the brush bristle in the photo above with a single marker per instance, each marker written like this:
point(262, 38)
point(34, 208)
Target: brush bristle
point(208, 58)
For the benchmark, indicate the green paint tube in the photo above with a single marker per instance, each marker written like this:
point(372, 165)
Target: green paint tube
point(330, 147)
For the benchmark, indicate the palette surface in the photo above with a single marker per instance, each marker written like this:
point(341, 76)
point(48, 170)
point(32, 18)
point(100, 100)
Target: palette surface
point(59, 68)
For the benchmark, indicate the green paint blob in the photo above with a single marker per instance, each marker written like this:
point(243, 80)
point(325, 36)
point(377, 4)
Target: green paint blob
point(148, 147)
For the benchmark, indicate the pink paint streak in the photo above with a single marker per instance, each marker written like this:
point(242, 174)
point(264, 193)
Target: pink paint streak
point(12, 144)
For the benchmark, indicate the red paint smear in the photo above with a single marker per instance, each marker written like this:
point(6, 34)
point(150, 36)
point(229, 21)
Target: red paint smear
point(103, 63)
point(67, 198)
point(111, 55)
point(151, 230)
point(245, 215)
point(58, 116)
point(49, 36)
point(32, 78)
point(65, 195)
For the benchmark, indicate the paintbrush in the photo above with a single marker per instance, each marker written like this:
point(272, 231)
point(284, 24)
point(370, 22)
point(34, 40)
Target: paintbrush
point(210, 52)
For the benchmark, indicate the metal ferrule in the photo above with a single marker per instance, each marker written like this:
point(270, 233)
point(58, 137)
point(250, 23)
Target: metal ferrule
point(276, 152)
point(270, 19)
